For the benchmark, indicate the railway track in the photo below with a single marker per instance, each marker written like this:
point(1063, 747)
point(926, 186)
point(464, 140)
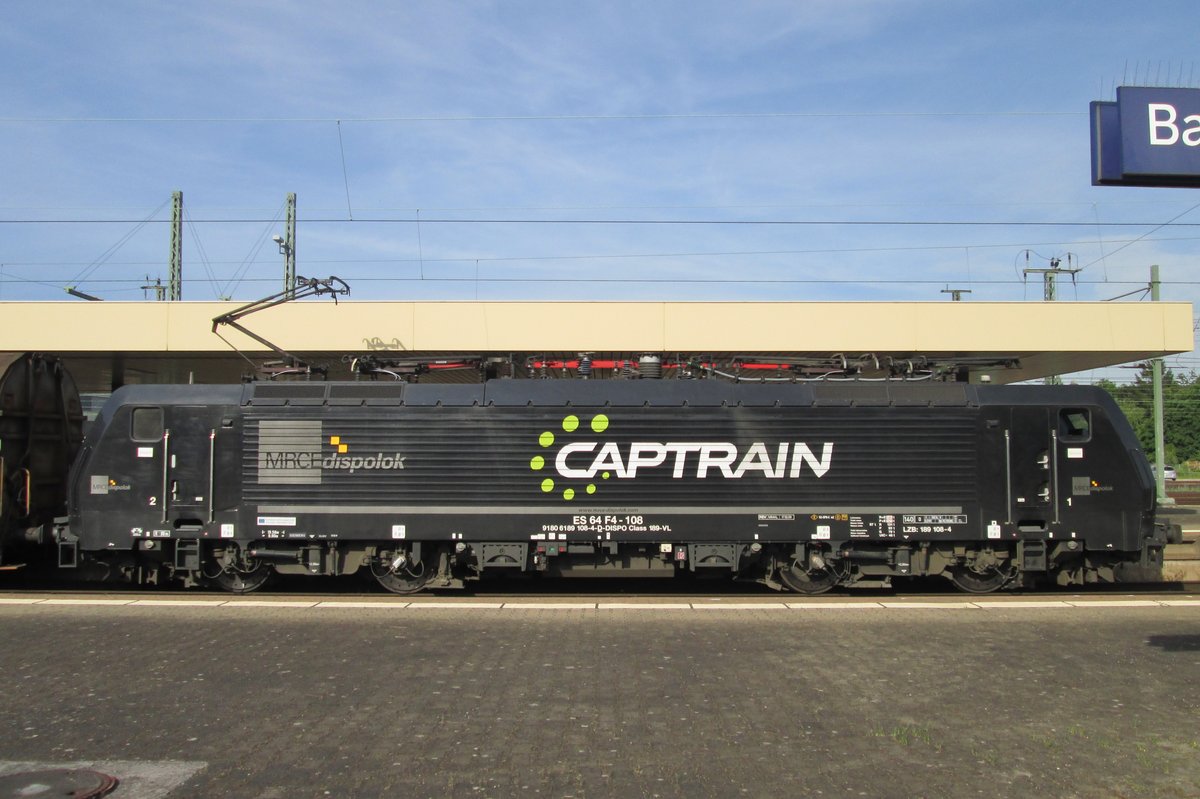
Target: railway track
point(308, 591)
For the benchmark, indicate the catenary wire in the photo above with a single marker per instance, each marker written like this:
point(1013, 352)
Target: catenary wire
point(681, 280)
point(627, 221)
point(1171, 221)
point(616, 256)
point(548, 117)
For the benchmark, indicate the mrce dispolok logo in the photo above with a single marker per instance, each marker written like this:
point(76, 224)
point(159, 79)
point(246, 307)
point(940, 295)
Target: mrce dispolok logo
point(298, 452)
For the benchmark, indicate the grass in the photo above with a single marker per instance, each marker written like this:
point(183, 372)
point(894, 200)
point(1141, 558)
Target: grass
point(905, 735)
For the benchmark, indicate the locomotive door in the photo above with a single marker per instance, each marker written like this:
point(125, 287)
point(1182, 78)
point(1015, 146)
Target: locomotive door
point(1031, 467)
point(1073, 474)
point(188, 468)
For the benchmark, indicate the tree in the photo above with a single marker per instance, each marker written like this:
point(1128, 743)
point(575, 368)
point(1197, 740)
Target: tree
point(1181, 411)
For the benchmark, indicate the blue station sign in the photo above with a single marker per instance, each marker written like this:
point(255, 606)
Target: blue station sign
point(1148, 137)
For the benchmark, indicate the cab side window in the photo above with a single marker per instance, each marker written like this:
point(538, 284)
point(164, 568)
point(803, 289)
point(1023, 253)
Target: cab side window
point(1074, 424)
point(146, 424)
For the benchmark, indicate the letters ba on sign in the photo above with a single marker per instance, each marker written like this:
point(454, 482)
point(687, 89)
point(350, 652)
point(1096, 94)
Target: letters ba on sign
point(1148, 137)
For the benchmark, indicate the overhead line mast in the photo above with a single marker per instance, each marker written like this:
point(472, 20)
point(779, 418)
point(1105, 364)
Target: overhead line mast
point(1050, 288)
point(175, 280)
point(289, 262)
point(287, 246)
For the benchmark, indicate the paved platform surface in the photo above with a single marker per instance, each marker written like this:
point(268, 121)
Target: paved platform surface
point(272, 700)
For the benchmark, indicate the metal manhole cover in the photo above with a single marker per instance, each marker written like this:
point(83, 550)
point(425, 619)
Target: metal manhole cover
point(59, 782)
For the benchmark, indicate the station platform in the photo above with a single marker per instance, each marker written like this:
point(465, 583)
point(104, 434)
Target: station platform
point(1092, 696)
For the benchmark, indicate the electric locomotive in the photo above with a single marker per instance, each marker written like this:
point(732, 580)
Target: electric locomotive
point(801, 486)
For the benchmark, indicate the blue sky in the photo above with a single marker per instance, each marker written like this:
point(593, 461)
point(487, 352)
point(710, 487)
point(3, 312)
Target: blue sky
point(566, 114)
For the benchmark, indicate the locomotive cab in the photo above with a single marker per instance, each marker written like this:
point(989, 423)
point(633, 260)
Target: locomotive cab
point(1078, 501)
point(155, 477)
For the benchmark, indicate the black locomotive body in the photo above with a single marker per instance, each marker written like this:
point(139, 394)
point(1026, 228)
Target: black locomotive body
point(803, 486)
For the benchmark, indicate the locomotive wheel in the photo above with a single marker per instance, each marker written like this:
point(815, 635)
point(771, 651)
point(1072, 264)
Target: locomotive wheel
point(807, 581)
point(978, 582)
point(237, 580)
point(401, 580)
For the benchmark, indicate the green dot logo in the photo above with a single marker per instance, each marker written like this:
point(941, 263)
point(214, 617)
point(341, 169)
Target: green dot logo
point(570, 424)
